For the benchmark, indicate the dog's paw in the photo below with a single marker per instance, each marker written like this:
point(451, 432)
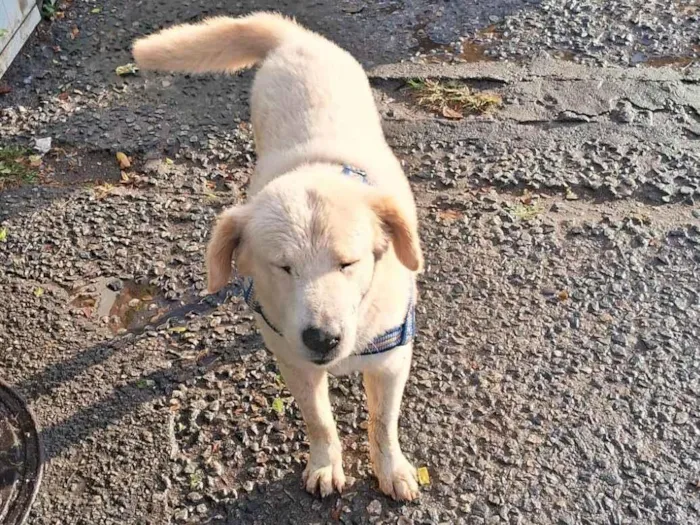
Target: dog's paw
point(397, 478)
point(324, 474)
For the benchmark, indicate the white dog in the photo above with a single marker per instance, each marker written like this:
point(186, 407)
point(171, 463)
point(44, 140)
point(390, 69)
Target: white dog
point(329, 236)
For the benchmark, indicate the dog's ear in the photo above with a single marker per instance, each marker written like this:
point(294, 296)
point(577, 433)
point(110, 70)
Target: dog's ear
point(227, 241)
point(402, 231)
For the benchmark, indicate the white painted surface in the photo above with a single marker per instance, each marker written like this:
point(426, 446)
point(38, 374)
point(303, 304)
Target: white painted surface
point(18, 18)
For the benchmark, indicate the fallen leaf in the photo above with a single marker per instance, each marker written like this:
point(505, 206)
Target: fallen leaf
point(74, 32)
point(178, 329)
point(124, 177)
point(34, 161)
point(278, 406)
point(64, 96)
point(123, 160)
point(450, 215)
point(96, 10)
point(423, 476)
point(126, 69)
point(570, 195)
point(3, 234)
point(103, 190)
point(450, 113)
point(563, 295)
point(169, 161)
point(38, 292)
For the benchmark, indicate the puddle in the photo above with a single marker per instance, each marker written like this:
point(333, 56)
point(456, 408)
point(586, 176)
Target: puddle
point(668, 61)
point(425, 43)
point(128, 305)
point(568, 56)
point(473, 52)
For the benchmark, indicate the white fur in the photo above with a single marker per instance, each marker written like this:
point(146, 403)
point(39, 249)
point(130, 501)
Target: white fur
point(312, 112)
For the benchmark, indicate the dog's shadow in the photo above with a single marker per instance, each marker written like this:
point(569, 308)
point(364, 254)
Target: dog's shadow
point(286, 502)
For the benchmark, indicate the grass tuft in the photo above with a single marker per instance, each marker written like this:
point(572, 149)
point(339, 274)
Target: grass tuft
point(15, 167)
point(452, 99)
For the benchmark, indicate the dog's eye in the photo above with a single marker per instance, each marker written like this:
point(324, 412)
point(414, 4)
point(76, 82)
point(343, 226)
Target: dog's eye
point(345, 265)
point(286, 269)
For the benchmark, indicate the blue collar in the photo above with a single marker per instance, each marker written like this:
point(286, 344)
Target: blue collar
point(397, 336)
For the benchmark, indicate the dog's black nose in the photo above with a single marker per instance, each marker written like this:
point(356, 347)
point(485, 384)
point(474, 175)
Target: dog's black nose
point(319, 341)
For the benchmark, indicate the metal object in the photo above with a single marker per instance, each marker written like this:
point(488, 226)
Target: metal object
point(21, 457)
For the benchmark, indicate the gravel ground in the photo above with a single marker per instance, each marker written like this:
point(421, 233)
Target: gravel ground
point(556, 377)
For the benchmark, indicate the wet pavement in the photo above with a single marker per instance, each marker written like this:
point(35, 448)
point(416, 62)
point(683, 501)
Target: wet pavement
point(556, 375)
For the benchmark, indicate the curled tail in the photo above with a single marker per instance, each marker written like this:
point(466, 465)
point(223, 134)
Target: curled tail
point(219, 44)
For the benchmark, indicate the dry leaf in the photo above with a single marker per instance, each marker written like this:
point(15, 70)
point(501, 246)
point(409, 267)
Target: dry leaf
point(34, 161)
point(450, 215)
point(570, 195)
point(423, 476)
point(450, 113)
point(124, 177)
point(3, 234)
point(123, 160)
point(126, 69)
point(178, 329)
point(38, 292)
point(74, 32)
point(103, 190)
point(563, 295)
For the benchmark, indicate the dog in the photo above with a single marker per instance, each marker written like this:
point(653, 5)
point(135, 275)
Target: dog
point(329, 235)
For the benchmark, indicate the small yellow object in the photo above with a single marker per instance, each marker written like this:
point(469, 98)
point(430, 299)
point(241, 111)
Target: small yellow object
point(278, 405)
point(126, 69)
point(178, 329)
point(3, 234)
point(123, 160)
point(423, 476)
point(169, 161)
point(38, 292)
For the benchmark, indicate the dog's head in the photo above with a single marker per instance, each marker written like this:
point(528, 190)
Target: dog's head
point(311, 242)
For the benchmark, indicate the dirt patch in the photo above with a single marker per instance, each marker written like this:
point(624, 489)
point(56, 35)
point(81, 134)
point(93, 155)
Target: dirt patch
point(68, 167)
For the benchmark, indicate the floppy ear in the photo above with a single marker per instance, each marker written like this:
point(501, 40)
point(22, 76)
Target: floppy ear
point(226, 240)
point(401, 229)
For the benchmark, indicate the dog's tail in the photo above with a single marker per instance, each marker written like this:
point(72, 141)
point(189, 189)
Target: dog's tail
point(219, 44)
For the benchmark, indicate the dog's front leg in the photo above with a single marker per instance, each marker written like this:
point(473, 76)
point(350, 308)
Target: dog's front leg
point(384, 387)
point(309, 386)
